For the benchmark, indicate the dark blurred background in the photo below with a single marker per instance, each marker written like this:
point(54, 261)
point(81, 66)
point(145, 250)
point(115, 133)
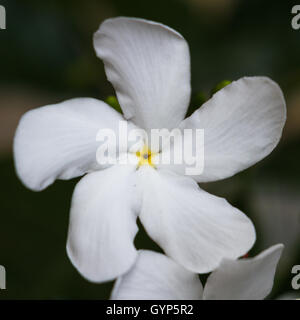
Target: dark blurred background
point(46, 56)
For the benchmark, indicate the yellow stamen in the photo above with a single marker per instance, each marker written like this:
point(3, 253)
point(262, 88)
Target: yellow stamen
point(145, 156)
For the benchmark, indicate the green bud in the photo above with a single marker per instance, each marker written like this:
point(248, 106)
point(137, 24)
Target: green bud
point(114, 103)
point(196, 102)
point(220, 86)
point(199, 99)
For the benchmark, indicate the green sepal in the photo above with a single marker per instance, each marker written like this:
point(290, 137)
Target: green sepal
point(114, 103)
point(220, 86)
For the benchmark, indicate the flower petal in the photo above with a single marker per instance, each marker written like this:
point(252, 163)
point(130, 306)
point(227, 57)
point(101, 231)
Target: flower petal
point(289, 295)
point(59, 141)
point(245, 279)
point(194, 228)
point(154, 276)
point(242, 124)
point(103, 223)
point(149, 66)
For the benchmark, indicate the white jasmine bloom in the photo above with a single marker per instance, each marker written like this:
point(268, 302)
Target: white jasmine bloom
point(156, 277)
point(149, 66)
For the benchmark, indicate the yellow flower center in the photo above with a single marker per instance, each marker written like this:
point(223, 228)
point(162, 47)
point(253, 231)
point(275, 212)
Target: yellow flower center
point(145, 157)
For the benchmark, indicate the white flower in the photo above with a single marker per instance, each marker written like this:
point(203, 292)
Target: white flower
point(156, 277)
point(149, 67)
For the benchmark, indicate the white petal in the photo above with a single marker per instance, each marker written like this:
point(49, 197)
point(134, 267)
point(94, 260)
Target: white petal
point(103, 223)
point(194, 228)
point(242, 124)
point(154, 276)
point(149, 66)
point(289, 295)
point(59, 141)
point(244, 279)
